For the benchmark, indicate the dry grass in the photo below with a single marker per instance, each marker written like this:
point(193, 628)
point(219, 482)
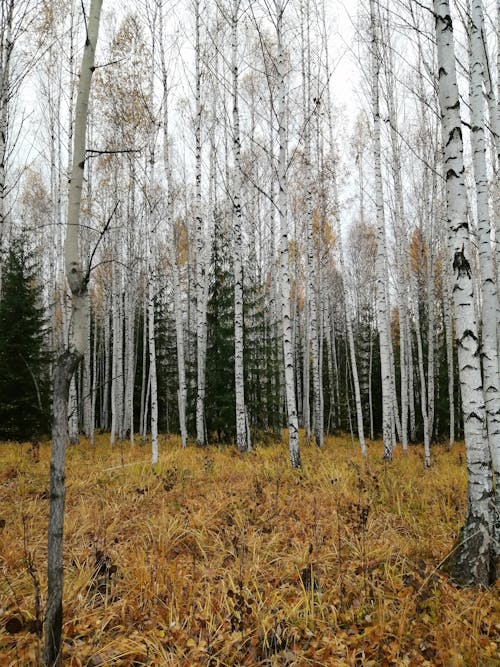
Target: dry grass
point(217, 559)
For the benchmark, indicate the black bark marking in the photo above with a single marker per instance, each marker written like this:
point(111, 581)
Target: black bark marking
point(470, 334)
point(451, 173)
point(474, 415)
point(456, 132)
point(461, 265)
point(447, 21)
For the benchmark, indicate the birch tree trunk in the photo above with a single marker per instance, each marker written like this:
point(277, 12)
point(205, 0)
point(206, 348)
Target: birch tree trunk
point(350, 334)
point(286, 319)
point(431, 330)
point(152, 205)
point(129, 316)
point(381, 258)
point(423, 387)
point(69, 360)
point(489, 304)
point(144, 375)
point(117, 358)
point(105, 423)
point(73, 410)
point(152, 351)
point(370, 392)
point(472, 562)
point(239, 378)
point(400, 232)
point(6, 47)
point(448, 326)
point(178, 311)
point(411, 385)
point(201, 292)
point(313, 230)
point(94, 380)
point(354, 365)
point(313, 242)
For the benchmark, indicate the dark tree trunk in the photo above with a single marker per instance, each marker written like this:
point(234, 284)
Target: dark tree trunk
point(63, 372)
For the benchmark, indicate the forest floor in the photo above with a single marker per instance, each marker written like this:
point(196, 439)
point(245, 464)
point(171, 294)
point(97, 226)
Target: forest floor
point(219, 559)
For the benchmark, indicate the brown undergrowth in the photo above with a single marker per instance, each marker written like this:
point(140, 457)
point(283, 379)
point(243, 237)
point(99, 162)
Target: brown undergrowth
point(218, 559)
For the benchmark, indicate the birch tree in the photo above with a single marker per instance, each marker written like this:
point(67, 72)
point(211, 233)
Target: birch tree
point(313, 234)
point(489, 301)
point(242, 439)
point(152, 208)
point(381, 258)
point(201, 290)
point(68, 361)
point(472, 562)
point(174, 244)
point(352, 349)
point(286, 315)
point(6, 51)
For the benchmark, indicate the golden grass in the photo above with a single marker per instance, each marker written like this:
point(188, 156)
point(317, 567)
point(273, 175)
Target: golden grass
point(216, 559)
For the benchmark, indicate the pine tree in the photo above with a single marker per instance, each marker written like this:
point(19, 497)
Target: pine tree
point(24, 358)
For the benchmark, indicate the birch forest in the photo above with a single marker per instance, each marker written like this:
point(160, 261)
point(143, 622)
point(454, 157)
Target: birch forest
point(249, 332)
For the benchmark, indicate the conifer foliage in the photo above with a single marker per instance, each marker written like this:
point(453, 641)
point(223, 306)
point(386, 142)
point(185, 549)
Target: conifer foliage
point(221, 425)
point(24, 357)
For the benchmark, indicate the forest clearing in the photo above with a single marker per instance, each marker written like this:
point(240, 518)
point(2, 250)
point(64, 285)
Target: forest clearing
point(218, 559)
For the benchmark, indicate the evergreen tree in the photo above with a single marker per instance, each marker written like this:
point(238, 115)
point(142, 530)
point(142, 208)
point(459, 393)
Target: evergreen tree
point(166, 360)
point(24, 358)
point(261, 367)
point(220, 398)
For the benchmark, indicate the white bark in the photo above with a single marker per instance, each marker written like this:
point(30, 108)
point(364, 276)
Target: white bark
point(152, 352)
point(497, 133)
point(129, 361)
point(178, 311)
point(241, 430)
point(472, 557)
point(73, 412)
point(201, 278)
point(354, 367)
point(381, 258)
point(448, 326)
point(129, 316)
point(306, 381)
point(423, 385)
point(86, 394)
point(350, 335)
point(403, 349)
point(93, 390)
point(105, 424)
point(370, 393)
point(489, 343)
point(181, 366)
point(313, 294)
point(288, 360)
point(431, 324)
point(411, 386)
point(401, 235)
point(6, 48)
point(116, 359)
point(152, 207)
point(144, 381)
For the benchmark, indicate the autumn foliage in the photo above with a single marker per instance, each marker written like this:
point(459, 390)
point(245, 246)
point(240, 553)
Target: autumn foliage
point(217, 559)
